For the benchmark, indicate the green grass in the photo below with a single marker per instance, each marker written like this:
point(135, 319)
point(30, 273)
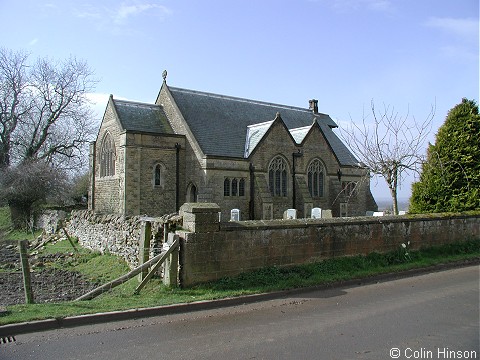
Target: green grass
point(5, 223)
point(6, 229)
point(96, 266)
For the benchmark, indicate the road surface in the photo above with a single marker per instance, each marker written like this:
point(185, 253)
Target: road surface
point(431, 316)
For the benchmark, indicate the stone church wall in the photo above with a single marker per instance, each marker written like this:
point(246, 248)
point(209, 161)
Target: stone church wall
point(109, 190)
point(143, 153)
point(194, 164)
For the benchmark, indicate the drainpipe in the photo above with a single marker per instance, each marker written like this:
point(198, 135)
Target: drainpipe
point(251, 204)
point(177, 176)
point(294, 186)
point(92, 165)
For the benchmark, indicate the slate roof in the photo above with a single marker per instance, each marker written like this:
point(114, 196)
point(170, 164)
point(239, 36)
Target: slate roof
point(299, 133)
point(255, 133)
point(140, 117)
point(220, 123)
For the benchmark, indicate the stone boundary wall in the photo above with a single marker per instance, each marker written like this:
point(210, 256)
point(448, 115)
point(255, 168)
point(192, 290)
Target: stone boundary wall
point(49, 220)
point(216, 250)
point(115, 234)
point(210, 250)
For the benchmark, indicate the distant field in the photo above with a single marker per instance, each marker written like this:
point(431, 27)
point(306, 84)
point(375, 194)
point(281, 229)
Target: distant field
point(386, 204)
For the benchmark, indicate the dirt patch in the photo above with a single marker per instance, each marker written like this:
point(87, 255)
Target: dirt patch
point(48, 284)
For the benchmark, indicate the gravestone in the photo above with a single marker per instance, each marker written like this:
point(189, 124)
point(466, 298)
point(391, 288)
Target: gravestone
point(235, 215)
point(327, 214)
point(316, 213)
point(290, 214)
point(378, 213)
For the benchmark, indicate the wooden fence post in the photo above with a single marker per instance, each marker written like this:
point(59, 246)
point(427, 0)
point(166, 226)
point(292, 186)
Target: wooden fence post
point(27, 282)
point(170, 266)
point(144, 247)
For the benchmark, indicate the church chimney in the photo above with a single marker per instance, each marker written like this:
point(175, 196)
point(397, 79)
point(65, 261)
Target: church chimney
point(313, 105)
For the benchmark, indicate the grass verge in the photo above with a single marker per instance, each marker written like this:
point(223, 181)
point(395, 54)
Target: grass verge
point(330, 271)
point(8, 233)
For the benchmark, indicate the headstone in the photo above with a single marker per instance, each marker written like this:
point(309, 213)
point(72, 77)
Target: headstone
point(378, 213)
point(316, 213)
point(290, 214)
point(235, 215)
point(402, 212)
point(267, 211)
point(327, 214)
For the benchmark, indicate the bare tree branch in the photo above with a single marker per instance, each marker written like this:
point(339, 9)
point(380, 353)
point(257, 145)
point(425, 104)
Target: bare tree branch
point(14, 98)
point(390, 146)
point(46, 122)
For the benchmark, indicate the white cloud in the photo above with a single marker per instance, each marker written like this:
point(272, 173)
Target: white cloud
point(128, 10)
point(465, 28)
point(355, 5)
point(33, 42)
point(466, 34)
point(89, 12)
point(117, 19)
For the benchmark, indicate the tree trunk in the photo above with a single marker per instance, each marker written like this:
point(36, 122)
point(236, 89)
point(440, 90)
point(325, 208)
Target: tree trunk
point(393, 193)
point(20, 215)
point(392, 185)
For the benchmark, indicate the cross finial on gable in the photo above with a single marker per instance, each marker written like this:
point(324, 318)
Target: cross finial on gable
point(164, 75)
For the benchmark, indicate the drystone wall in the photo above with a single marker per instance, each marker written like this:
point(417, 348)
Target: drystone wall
point(50, 220)
point(115, 234)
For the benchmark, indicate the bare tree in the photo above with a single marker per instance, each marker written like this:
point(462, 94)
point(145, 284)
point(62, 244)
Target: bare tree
point(45, 114)
point(14, 99)
point(59, 122)
point(390, 146)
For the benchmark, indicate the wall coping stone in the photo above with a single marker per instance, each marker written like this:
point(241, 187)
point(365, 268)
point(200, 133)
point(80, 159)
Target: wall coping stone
point(195, 208)
point(307, 222)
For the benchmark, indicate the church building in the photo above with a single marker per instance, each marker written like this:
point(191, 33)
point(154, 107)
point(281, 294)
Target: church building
point(193, 146)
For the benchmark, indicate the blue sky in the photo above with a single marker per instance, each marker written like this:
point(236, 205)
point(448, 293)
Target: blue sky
point(408, 54)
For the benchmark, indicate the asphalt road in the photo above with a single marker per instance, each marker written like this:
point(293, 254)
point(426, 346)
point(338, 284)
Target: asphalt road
point(431, 316)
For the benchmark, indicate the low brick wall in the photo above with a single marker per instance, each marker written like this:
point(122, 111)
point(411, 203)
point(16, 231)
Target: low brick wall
point(242, 246)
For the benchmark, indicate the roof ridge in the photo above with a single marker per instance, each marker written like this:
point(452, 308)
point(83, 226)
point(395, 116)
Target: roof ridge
point(301, 128)
point(260, 124)
point(133, 102)
point(250, 101)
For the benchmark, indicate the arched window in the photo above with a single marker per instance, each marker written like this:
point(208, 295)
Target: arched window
point(234, 187)
point(107, 156)
point(226, 187)
point(241, 187)
point(158, 175)
point(277, 176)
point(315, 175)
point(192, 193)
